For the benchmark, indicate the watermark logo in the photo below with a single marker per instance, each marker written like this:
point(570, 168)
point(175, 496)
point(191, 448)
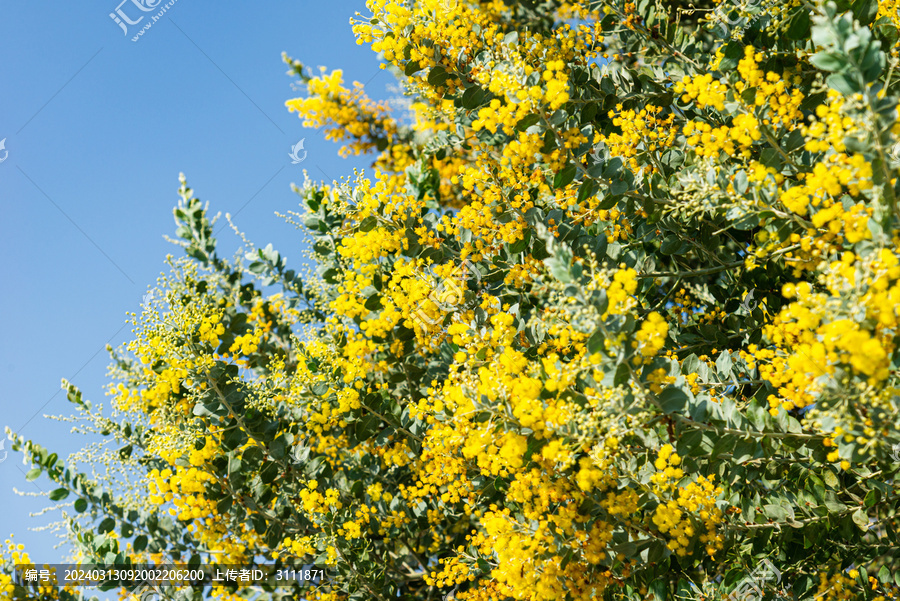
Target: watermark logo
point(3, 453)
point(451, 596)
point(124, 19)
point(894, 153)
point(746, 304)
point(722, 17)
point(449, 294)
point(399, 103)
point(448, 5)
point(895, 452)
point(4, 153)
point(295, 152)
point(148, 298)
point(298, 454)
point(751, 588)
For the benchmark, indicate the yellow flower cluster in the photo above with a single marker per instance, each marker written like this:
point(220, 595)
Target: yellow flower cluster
point(247, 343)
point(775, 101)
point(651, 338)
point(891, 10)
point(344, 114)
point(643, 130)
point(829, 127)
point(185, 488)
point(315, 502)
point(453, 571)
point(198, 457)
point(827, 181)
point(668, 473)
point(520, 559)
point(702, 90)
point(838, 586)
point(816, 338)
point(6, 586)
point(17, 556)
point(495, 456)
point(350, 530)
point(211, 329)
point(658, 379)
point(299, 547)
point(772, 91)
point(708, 141)
point(674, 518)
point(557, 84)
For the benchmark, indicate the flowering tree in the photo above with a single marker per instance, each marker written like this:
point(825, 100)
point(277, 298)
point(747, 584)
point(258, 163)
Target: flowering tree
point(614, 317)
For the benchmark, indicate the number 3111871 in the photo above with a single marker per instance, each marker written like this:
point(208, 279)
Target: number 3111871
point(301, 575)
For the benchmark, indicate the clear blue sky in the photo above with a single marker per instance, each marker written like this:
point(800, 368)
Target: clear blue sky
point(97, 128)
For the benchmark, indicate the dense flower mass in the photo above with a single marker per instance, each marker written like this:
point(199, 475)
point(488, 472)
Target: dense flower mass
point(613, 315)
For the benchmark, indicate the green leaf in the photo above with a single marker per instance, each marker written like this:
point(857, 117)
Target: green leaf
point(81, 505)
point(724, 364)
point(600, 300)
point(872, 498)
point(587, 190)
point(527, 121)
point(776, 512)
point(861, 519)
point(368, 224)
point(740, 181)
point(520, 245)
point(437, 76)
point(846, 84)
point(595, 343)
point(59, 494)
point(673, 158)
point(559, 268)
point(33, 474)
point(373, 302)
point(472, 98)
point(139, 544)
point(670, 245)
point(659, 589)
point(794, 141)
point(733, 52)
point(689, 442)
point(618, 187)
point(589, 112)
point(269, 472)
point(411, 67)
point(277, 448)
point(224, 504)
point(484, 566)
point(564, 177)
point(107, 525)
point(799, 25)
point(622, 374)
point(673, 399)
point(367, 427)
point(829, 61)
point(744, 450)
point(865, 10)
point(756, 415)
point(722, 445)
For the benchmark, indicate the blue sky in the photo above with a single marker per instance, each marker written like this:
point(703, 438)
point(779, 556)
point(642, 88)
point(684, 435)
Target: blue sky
point(97, 128)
